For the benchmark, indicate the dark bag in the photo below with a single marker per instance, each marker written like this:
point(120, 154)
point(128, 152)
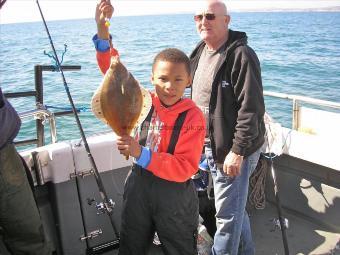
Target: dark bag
point(205, 190)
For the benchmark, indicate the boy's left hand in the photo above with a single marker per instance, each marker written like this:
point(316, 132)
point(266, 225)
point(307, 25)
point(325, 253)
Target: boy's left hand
point(128, 146)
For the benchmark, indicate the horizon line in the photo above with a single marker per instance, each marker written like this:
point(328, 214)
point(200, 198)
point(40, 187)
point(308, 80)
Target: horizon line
point(249, 10)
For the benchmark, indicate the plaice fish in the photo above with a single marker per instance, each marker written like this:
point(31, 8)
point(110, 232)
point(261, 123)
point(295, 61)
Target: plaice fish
point(120, 101)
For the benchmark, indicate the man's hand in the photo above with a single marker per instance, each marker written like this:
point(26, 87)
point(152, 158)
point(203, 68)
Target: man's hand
point(129, 146)
point(104, 10)
point(232, 164)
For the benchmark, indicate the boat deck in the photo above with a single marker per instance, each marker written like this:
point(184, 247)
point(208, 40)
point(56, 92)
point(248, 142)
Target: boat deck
point(304, 237)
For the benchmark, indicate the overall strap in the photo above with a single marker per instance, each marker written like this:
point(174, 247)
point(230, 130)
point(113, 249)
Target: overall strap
point(175, 133)
point(145, 127)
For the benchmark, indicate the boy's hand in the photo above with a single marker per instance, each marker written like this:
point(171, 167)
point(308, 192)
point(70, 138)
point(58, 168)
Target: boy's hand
point(128, 146)
point(232, 164)
point(104, 10)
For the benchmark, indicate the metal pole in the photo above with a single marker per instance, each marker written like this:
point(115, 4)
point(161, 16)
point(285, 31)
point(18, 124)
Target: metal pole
point(39, 99)
point(295, 123)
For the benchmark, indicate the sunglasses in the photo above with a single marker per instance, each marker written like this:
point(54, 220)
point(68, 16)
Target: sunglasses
point(208, 16)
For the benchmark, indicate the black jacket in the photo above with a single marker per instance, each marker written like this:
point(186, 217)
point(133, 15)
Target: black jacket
point(236, 105)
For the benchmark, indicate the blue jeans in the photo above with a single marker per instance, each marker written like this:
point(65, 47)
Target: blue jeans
point(233, 235)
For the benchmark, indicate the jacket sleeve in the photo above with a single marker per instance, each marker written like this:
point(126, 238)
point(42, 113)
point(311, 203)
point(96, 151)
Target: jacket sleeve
point(104, 51)
point(246, 78)
point(103, 59)
point(9, 122)
point(184, 163)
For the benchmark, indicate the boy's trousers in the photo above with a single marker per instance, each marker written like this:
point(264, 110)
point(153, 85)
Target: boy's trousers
point(153, 204)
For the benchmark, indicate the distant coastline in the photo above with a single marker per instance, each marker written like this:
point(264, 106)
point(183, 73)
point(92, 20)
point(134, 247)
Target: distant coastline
point(333, 9)
point(325, 9)
point(27, 11)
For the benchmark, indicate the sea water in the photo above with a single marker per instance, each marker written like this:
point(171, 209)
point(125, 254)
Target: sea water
point(299, 54)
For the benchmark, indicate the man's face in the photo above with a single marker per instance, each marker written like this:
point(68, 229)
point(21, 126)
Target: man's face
point(170, 80)
point(212, 23)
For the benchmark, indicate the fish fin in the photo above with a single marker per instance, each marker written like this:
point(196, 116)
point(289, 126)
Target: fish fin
point(96, 105)
point(146, 106)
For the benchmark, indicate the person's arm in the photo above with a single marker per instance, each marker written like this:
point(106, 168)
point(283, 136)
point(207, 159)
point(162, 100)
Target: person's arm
point(184, 163)
point(246, 77)
point(104, 10)
point(102, 39)
point(103, 53)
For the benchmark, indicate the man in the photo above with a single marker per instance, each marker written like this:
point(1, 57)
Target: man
point(19, 216)
point(227, 87)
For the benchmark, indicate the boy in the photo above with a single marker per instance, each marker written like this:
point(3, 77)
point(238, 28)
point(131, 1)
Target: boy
point(159, 194)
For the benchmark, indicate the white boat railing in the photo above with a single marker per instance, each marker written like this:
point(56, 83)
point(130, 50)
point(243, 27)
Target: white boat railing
point(41, 113)
point(296, 107)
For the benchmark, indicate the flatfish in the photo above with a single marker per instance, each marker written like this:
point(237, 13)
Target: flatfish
point(120, 101)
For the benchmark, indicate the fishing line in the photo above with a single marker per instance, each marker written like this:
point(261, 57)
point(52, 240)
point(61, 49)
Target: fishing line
point(107, 204)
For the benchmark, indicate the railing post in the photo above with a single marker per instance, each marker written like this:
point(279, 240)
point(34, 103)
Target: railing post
point(53, 128)
point(296, 108)
point(39, 99)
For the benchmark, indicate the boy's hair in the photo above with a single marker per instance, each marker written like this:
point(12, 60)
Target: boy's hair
point(172, 55)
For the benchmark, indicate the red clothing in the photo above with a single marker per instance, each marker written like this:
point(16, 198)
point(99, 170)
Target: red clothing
point(180, 166)
point(103, 59)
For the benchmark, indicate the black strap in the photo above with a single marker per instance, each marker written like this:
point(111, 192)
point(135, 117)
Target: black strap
point(145, 128)
point(175, 133)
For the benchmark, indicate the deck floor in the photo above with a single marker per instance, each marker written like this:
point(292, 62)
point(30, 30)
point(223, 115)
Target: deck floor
point(304, 237)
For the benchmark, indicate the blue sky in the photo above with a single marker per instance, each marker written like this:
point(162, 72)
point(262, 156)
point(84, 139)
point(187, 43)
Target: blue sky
point(15, 11)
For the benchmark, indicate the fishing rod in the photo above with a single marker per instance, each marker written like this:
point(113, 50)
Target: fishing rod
point(107, 205)
point(282, 220)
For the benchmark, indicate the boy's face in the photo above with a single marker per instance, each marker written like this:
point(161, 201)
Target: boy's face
point(170, 80)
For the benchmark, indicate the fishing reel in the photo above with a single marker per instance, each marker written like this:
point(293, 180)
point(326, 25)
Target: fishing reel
point(102, 207)
point(277, 225)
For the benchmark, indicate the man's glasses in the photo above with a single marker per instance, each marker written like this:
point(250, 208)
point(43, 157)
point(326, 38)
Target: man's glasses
point(208, 16)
